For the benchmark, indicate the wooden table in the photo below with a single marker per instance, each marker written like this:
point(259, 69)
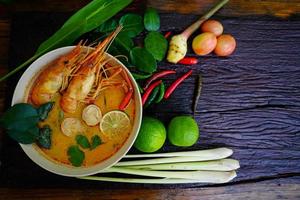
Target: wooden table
point(266, 102)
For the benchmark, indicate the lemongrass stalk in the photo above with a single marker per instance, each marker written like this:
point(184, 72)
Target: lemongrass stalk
point(205, 176)
point(178, 43)
point(142, 180)
point(168, 160)
point(199, 153)
point(203, 157)
point(216, 165)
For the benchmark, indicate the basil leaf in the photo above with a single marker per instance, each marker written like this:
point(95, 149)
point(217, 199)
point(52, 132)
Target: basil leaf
point(143, 60)
point(76, 156)
point(96, 141)
point(24, 137)
point(156, 44)
point(20, 117)
point(82, 141)
point(132, 24)
point(44, 110)
point(108, 26)
point(151, 20)
point(44, 138)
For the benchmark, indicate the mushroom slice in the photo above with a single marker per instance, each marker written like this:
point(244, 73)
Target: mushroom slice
point(71, 126)
point(91, 115)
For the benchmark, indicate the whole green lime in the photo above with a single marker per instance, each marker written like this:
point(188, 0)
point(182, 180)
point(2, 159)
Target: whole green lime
point(183, 131)
point(152, 135)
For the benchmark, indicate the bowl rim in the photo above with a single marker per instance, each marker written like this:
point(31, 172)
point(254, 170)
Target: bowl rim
point(21, 91)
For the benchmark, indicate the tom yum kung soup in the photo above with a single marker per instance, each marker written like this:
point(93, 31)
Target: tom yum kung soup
point(91, 109)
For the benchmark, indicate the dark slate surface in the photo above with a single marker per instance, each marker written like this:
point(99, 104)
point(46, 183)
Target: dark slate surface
point(250, 101)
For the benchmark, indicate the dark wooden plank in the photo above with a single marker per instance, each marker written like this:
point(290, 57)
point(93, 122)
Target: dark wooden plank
point(250, 191)
point(233, 8)
point(250, 101)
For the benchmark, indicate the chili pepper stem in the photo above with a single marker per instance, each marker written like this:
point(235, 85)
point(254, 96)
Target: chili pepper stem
point(197, 93)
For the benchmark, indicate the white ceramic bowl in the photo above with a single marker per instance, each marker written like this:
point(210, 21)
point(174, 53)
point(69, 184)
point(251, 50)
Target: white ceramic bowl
point(21, 94)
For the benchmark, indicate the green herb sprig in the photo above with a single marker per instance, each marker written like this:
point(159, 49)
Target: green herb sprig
point(76, 155)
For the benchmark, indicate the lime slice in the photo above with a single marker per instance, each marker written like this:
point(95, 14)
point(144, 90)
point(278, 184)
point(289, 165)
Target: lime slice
point(91, 115)
point(71, 126)
point(115, 123)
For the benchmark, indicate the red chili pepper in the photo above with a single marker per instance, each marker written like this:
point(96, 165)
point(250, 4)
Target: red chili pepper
point(157, 76)
point(149, 90)
point(188, 61)
point(174, 85)
point(125, 102)
point(168, 34)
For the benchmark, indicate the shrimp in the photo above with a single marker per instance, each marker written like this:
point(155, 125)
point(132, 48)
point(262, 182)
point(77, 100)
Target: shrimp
point(86, 83)
point(55, 77)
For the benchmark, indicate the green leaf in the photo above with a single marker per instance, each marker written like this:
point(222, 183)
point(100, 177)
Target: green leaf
point(44, 138)
point(20, 117)
point(108, 26)
point(76, 156)
point(121, 45)
point(28, 136)
point(113, 50)
point(44, 110)
point(137, 76)
point(151, 20)
point(82, 141)
point(143, 60)
point(86, 19)
point(124, 41)
point(96, 141)
point(156, 44)
point(132, 24)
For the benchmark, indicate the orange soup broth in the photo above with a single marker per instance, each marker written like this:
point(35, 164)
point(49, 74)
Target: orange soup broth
point(108, 100)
